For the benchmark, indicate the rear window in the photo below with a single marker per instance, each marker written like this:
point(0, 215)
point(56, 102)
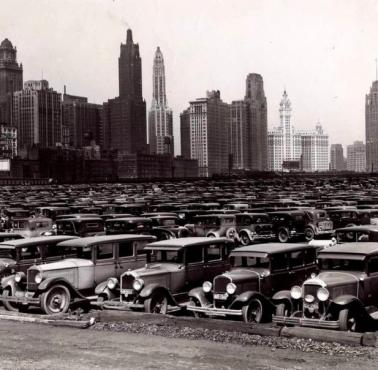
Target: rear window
point(341, 264)
point(279, 262)
point(242, 261)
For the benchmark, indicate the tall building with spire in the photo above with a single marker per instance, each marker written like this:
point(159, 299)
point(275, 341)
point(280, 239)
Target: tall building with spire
point(371, 128)
point(160, 124)
point(11, 75)
point(124, 117)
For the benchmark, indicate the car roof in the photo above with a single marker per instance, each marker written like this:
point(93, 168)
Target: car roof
point(359, 228)
point(89, 240)
point(217, 215)
point(130, 219)
point(80, 219)
point(350, 250)
point(14, 243)
point(265, 249)
point(177, 244)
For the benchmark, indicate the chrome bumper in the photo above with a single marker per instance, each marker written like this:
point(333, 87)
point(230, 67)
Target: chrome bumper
point(23, 298)
point(212, 311)
point(303, 321)
point(118, 305)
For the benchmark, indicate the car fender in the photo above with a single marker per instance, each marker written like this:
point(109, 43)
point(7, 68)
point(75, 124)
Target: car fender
point(347, 300)
point(199, 295)
point(249, 233)
point(102, 289)
point(148, 290)
point(49, 282)
point(215, 233)
point(282, 296)
point(244, 299)
point(9, 283)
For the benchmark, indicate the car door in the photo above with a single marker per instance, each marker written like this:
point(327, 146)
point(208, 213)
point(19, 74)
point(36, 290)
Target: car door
point(370, 284)
point(194, 260)
point(131, 255)
point(28, 256)
point(279, 277)
point(105, 261)
point(214, 261)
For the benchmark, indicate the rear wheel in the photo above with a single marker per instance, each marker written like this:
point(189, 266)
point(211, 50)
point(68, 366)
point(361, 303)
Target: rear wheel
point(253, 312)
point(283, 236)
point(157, 303)
point(309, 233)
point(56, 300)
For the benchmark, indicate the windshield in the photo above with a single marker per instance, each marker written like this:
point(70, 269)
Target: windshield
point(341, 264)
point(239, 261)
point(165, 256)
point(8, 253)
point(352, 236)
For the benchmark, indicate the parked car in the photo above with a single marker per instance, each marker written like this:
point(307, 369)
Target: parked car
point(80, 226)
point(344, 217)
point(254, 228)
point(288, 225)
point(214, 225)
point(17, 255)
point(257, 273)
point(173, 268)
point(4, 236)
point(318, 224)
point(54, 287)
point(31, 226)
point(343, 296)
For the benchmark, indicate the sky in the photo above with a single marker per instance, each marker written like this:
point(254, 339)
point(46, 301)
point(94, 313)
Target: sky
point(323, 52)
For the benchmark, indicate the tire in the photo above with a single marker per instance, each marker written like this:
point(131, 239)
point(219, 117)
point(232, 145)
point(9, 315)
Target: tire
point(211, 235)
point(231, 233)
point(348, 320)
point(194, 302)
point(157, 303)
point(253, 312)
point(56, 300)
point(244, 238)
point(282, 310)
point(183, 233)
point(309, 233)
point(283, 235)
point(9, 306)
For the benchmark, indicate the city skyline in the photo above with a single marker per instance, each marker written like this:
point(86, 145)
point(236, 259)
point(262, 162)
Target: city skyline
point(309, 49)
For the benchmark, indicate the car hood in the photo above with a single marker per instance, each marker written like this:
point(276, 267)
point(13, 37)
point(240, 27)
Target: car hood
point(240, 275)
point(156, 268)
point(335, 278)
point(64, 264)
point(6, 262)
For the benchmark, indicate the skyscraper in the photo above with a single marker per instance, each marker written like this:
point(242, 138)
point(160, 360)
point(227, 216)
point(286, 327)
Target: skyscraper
point(160, 124)
point(356, 157)
point(371, 128)
point(337, 158)
point(185, 133)
point(10, 78)
point(240, 146)
point(124, 118)
point(257, 122)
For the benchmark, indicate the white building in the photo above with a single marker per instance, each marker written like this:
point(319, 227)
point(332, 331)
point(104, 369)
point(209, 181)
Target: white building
point(160, 124)
point(308, 148)
point(356, 157)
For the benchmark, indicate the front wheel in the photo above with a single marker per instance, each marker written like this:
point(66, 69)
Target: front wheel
point(56, 300)
point(9, 306)
point(195, 303)
point(309, 234)
point(282, 310)
point(348, 320)
point(253, 312)
point(157, 303)
point(244, 239)
point(283, 236)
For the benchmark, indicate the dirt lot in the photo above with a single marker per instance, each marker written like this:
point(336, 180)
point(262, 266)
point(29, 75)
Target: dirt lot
point(29, 346)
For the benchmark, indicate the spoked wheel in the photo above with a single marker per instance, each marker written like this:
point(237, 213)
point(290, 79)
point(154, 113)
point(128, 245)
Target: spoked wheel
point(283, 236)
point(244, 239)
point(9, 306)
point(348, 320)
point(309, 233)
point(253, 312)
point(56, 300)
point(195, 303)
point(158, 303)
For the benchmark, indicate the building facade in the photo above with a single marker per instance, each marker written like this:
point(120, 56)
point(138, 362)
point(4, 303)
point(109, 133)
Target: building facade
point(124, 118)
point(309, 148)
point(371, 128)
point(209, 122)
point(11, 78)
point(160, 121)
point(257, 123)
point(81, 121)
point(240, 145)
point(8, 141)
point(337, 161)
point(185, 133)
point(356, 157)
point(37, 115)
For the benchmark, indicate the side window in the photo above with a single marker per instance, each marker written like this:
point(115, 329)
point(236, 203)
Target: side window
point(296, 259)
point(279, 262)
point(31, 252)
point(105, 251)
point(194, 255)
point(373, 265)
point(214, 252)
point(125, 249)
point(140, 247)
point(310, 257)
point(53, 251)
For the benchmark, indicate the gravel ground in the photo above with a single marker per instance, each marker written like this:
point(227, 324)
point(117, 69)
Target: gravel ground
point(304, 345)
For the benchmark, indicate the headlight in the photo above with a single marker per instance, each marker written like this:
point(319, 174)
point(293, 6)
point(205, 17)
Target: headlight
point(112, 283)
point(309, 298)
point(322, 294)
point(38, 278)
point(138, 284)
point(296, 292)
point(19, 276)
point(206, 286)
point(231, 288)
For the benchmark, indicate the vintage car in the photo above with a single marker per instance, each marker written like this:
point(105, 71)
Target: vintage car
point(80, 226)
point(343, 296)
point(31, 226)
point(257, 273)
point(128, 225)
point(4, 236)
point(254, 228)
point(288, 225)
point(214, 225)
point(346, 217)
point(52, 212)
point(173, 268)
point(318, 224)
point(55, 286)
point(17, 255)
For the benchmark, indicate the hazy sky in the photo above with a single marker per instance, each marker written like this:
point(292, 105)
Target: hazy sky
point(323, 52)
